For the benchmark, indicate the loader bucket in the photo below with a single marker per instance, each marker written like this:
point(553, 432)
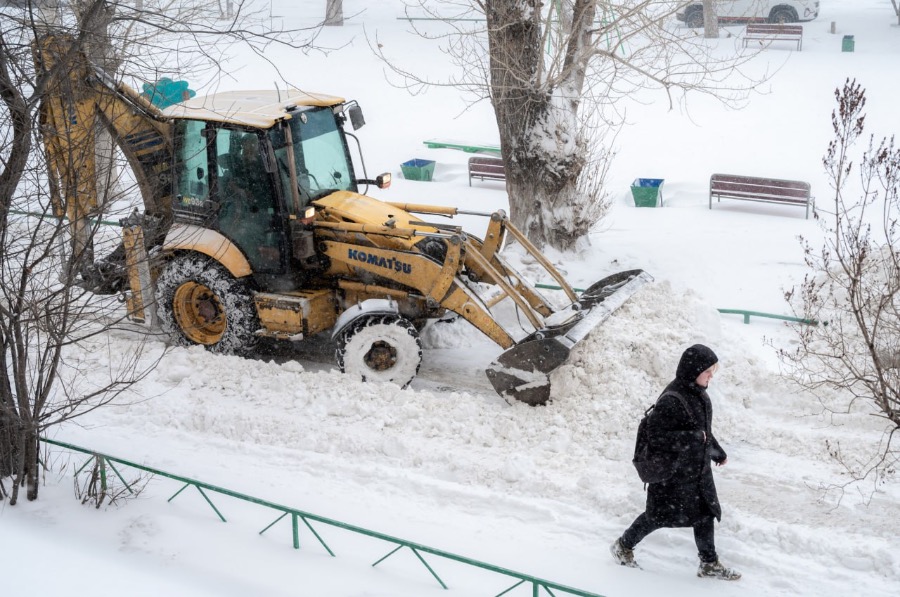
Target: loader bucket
point(523, 371)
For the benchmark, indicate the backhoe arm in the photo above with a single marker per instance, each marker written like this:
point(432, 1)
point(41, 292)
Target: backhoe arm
point(77, 101)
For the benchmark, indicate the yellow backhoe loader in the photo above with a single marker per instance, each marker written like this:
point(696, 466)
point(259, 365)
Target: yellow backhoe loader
point(254, 226)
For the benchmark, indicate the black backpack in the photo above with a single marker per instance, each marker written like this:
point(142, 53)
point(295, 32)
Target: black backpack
point(653, 466)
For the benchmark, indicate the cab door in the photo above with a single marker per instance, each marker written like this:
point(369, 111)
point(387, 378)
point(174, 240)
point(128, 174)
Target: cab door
point(227, 172)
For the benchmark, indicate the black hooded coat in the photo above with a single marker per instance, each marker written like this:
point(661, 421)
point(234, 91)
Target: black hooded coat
point(689, 495)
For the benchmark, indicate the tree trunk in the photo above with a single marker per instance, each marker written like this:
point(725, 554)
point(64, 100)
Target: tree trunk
point(334, 12)
point(710, 20)
point(30, 463)
point(542, 146)
point(13, 169)
point(9, 453)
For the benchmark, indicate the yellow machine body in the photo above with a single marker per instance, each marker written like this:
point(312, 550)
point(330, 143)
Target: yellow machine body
point(319, 256)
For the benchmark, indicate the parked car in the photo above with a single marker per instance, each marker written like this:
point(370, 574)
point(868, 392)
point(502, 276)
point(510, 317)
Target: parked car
point(746, 11)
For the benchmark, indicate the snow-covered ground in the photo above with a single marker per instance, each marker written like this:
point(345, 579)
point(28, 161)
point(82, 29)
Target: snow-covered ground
point(448, 464)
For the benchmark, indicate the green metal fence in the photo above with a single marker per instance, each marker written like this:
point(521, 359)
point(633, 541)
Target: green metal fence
point(307, 518)
point(747, 314)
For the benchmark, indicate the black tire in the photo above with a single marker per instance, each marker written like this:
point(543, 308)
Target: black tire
point(199, 302)
point(781, 16)
point(381, 348)
point(694, 18)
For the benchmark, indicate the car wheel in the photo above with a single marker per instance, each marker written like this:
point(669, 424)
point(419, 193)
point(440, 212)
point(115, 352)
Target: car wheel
point(782, 16)
point(694, 18)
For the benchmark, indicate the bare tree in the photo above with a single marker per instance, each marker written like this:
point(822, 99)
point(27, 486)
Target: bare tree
point(896, 10)
point(49, 324)
point(556, 74)
point(852, 363)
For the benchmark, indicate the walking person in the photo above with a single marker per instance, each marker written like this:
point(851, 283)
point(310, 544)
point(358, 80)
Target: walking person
point(681, 424)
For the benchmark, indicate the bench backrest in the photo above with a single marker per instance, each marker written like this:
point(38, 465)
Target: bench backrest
point(749, 185)
point(477, 162)
point(774, 29)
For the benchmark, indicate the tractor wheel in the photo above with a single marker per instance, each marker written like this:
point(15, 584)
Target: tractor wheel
point(381, 348)
point(199, 302)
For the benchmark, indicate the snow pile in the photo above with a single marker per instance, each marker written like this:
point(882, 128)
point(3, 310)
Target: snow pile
point(446, 461)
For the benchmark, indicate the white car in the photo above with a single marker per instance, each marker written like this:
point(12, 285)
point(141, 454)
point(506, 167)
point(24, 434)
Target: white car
point(744, 11)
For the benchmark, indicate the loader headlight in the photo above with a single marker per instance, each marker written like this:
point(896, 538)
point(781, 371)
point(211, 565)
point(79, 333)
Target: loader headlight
point(309, 214)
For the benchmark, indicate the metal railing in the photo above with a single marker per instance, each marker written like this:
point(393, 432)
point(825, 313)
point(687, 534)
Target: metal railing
point(747, 314)
point(308, 518)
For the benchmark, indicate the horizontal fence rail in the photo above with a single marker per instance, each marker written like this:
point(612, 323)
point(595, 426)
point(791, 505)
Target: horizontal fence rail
point(307, 518)
point(747, 315)
point(743, 312)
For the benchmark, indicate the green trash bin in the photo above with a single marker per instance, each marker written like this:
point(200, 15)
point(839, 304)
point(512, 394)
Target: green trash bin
point(848, 44)
point(418, 169)
point(647, 192)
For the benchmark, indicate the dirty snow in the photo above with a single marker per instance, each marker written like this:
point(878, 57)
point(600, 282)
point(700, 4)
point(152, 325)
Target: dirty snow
point(451, 465)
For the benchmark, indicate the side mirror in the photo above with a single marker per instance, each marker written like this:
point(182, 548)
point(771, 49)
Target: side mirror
point(356, 117)
point(382, 181)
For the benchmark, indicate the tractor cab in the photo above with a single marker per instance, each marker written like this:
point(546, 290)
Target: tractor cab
point(252, 174)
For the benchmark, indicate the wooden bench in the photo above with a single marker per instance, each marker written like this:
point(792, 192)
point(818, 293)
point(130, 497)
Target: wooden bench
point(769, 32)
point(750, 188)
point(486, 169)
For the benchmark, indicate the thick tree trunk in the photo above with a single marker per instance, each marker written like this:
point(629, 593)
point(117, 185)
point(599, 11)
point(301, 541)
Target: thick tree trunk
point(710, 20)
point(544, 211)
point(543, 151)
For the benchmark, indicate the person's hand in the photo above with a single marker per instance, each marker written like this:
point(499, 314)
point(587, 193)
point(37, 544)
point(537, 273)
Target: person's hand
point(723, 463)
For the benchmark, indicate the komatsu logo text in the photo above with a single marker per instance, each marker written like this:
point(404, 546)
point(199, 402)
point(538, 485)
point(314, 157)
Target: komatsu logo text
point(391, 264)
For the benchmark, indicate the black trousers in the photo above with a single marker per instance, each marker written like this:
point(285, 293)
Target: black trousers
point(704, 535)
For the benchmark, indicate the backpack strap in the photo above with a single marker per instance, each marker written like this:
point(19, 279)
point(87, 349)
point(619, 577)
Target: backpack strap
point(684, 404)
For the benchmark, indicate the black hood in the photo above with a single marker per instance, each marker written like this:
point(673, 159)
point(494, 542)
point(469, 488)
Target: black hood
point(694, 361)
